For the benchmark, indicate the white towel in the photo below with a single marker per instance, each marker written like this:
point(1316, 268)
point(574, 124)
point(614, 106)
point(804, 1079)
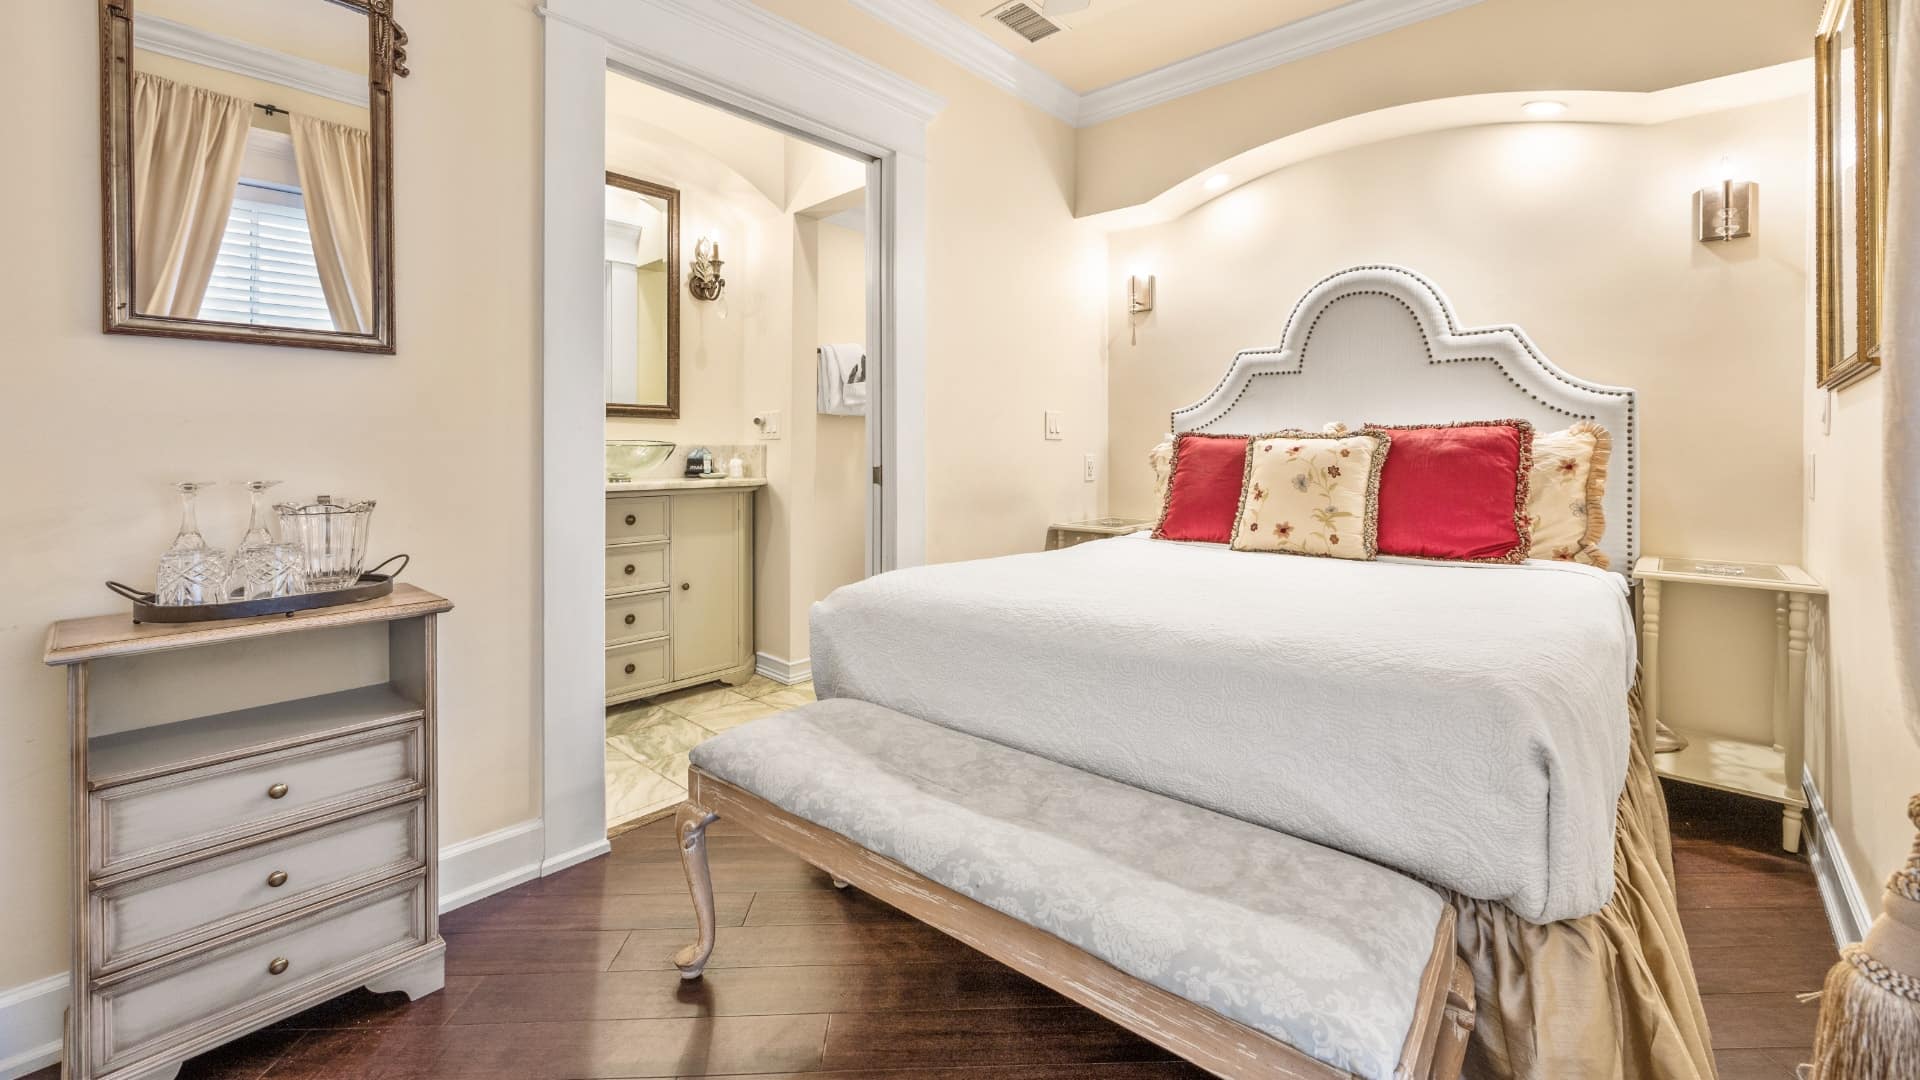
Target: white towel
point(842, 384)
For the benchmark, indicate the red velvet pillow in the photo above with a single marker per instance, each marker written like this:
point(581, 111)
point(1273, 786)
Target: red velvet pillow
point(1203, 488)
point(1457, 491)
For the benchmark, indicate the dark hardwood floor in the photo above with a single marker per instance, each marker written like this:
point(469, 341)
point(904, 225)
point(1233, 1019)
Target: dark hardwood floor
point(570, 977)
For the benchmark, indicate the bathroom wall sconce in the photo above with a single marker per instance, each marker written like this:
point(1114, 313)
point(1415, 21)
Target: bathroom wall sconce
point(705, 282)
point(1725, 211)
point(1139, 302)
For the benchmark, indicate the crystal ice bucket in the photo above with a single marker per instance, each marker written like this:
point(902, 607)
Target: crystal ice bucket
point(333, 535)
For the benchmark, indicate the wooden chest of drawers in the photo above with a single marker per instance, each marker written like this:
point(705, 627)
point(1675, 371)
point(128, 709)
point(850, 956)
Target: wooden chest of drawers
point(234, 865)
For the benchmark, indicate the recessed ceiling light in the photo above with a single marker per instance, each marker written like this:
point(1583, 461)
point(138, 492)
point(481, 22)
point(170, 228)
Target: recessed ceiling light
point(1543, 109)
point(1218, 181)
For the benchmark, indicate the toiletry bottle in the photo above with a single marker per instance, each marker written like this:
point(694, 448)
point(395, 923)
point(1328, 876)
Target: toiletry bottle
point(736, 468)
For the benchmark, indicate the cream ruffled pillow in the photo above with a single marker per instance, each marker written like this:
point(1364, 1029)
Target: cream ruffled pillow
point(1565, 490)
point(1312, 494)
point(1161, 458)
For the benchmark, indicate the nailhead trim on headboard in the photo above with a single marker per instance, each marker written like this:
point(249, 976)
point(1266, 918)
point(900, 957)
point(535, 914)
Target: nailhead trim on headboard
point(1453, 330)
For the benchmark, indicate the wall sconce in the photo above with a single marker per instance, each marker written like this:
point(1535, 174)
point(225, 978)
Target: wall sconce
point(1139, 302)
point(1725, 211)
point(705, 282)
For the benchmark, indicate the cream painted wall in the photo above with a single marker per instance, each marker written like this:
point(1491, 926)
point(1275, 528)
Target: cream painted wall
point(1863, 757)
point(1014, 304)
point(1494, 45)
point(840, 442)
point(444, 434)
point(1581, 235)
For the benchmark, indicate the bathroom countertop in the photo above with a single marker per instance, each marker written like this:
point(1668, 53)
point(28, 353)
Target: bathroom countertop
point(679, 483)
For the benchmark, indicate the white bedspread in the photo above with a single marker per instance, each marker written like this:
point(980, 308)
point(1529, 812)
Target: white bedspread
point(1467, 724)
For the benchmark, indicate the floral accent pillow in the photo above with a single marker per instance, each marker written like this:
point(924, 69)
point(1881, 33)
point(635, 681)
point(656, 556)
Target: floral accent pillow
point(1564, 494)
point(1311, 494)
point(1160, 459)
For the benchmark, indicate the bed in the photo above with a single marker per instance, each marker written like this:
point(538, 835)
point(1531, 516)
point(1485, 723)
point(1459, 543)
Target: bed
point(1476, 727)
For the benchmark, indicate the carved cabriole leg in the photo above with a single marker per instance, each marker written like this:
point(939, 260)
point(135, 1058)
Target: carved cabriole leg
point(1796, 746)
point(690, 824)
point(1650, 664)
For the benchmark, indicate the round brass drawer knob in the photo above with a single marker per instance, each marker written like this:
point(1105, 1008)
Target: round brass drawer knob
point(629, 568)
point(276, 879)
point(277, 791)
point(278, 967)
point(631, 520)
point(631, 669)
point(629, 618)
point(685, 586)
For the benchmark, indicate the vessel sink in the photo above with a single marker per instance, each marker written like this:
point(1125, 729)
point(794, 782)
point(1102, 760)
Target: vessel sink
point(628, 458)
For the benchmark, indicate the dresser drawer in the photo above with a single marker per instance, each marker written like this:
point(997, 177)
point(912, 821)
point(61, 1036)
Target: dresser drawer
point(636, 618)
point(177, 1001)
point(636, 568)
point(634, 518)
point(172, 815)
point(631, 668)
point(150, 915)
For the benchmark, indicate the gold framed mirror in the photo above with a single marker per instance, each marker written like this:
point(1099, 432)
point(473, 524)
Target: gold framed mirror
point(1851, 122)
point(247, 170)
point(642, 340)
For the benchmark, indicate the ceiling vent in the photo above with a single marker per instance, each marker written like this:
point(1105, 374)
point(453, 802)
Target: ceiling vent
point(1023, 20)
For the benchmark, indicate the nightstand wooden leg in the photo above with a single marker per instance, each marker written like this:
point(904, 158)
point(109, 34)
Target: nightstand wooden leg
point(1649, 665)
point(1796, 745)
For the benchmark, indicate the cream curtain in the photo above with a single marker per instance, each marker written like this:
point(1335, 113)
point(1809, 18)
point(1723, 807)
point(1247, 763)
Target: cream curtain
point(187, 147)
point(336, 179)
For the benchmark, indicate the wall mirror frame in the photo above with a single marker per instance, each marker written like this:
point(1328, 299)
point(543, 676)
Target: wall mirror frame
point(669, 409)
point(386, 60)
point(1852, 128)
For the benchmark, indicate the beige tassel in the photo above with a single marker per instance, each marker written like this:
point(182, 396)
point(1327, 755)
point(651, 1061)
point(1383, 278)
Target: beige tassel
point(1870, 1006)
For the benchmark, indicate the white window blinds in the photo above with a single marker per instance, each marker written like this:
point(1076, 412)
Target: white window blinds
point(265, 273)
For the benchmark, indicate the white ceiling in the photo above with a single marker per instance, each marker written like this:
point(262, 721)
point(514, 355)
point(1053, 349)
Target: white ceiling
point(1110, 40)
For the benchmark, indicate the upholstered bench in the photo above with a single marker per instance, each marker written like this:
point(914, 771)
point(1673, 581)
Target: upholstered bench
point(1249, 952)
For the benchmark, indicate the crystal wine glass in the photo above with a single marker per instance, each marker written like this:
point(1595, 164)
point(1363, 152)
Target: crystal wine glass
point(264, 567)
point(191, 571)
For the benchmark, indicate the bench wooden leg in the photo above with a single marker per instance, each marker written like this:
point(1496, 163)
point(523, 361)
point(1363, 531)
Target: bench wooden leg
point(690, 824)
point(1456, 1026)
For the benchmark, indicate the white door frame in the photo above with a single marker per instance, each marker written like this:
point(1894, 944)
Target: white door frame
point(741, 57)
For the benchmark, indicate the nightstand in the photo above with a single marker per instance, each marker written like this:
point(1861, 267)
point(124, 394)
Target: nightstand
point(1770, 772)
point(1067, 534)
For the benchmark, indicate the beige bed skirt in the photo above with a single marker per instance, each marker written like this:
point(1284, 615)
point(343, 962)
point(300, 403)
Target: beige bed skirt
point(1610, 996)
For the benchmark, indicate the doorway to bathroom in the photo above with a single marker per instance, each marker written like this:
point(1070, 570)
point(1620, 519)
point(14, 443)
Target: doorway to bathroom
point(739, 423)
point(753, 65)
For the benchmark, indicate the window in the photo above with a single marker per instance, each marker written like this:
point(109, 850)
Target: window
point(265, 273)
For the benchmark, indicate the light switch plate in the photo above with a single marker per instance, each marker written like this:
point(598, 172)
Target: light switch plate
point(1053, 426)
point(1086, 469)
point(769, 424)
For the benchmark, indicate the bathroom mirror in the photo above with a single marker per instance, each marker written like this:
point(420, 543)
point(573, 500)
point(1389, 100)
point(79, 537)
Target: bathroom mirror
point(249, 170)
point(642, 276)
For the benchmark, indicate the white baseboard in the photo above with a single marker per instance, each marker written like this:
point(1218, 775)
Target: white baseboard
point(783, 671)
point(556, 863)
point(484, 865)
point(31, 1015)
point(1839, 889)
point(30, 1020)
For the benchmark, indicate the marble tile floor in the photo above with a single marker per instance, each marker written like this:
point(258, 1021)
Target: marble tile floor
point(648, 740)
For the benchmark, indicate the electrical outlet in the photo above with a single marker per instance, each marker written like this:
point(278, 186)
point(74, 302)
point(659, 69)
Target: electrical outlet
point(1053, 426)
point(769, 424)
point(1086, 469)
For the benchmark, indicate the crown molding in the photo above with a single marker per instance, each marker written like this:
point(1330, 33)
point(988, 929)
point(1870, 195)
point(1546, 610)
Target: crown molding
point(961, 42)
point(1344, 25)
point(204, 47)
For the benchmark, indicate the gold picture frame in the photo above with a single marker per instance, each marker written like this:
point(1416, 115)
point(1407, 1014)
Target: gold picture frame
point(1852, 100)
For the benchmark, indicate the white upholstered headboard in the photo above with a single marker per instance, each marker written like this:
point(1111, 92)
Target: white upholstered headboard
point(1379, 344)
